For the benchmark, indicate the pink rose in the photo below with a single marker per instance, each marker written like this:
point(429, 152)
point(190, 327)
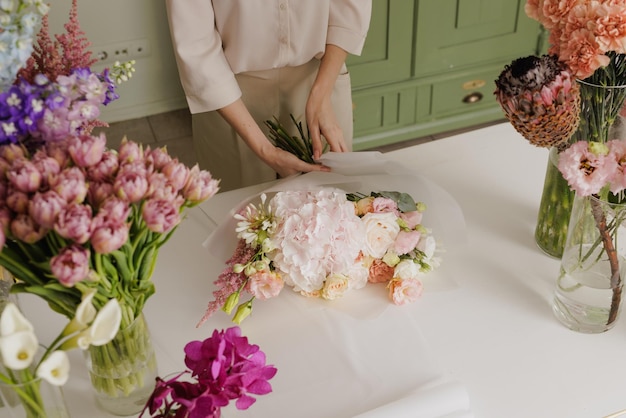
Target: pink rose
point(87, 150)
point(74, 222)
point(160, 215)
point(380, 272)
point(71, 265)
point(109, 237)
point(406, 291)
point(45, 207)
point(265, 284)
point(406, 241)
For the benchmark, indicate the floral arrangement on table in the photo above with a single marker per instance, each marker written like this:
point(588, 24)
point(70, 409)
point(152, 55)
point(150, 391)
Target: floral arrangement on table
point(222, 368)
point(77, 216)
point(323, 243)
point(22, 369)
point(573, 93)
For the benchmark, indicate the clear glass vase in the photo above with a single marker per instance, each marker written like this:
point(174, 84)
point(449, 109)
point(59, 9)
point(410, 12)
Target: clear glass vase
point(600, 106)
point(589, 286)
point(123, 371)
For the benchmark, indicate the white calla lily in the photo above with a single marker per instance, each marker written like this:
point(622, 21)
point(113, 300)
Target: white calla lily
point(86, 312)
point(12, 321)
point(55, 369)
point(104, 328)
point(18, 349)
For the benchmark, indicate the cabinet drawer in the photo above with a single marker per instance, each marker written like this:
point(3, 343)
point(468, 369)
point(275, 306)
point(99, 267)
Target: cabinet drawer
point(465, 92)
point(375, 110)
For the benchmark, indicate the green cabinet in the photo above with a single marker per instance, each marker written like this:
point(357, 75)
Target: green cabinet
point(429, 66)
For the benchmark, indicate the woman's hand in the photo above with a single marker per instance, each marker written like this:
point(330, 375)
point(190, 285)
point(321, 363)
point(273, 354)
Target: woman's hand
point(285, 163)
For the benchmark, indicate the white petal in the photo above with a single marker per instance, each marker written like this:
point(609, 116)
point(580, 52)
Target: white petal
point(86, 312)
point(106, 324)
point(12, 321)
point(55, 369)
point(18, 349)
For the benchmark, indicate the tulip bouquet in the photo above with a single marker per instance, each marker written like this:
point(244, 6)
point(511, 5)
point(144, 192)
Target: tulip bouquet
point(23, 372)
point(323, 243)
point(223, 367)
point(75, 216)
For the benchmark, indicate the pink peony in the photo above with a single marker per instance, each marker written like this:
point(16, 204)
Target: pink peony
point(406, 291)
point(71, 265)
point(265, 284)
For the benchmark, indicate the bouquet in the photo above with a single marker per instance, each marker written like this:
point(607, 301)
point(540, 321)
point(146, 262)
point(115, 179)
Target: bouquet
point(301, 146)
point(19, 348)
point(75, 216)
point(323, 243)
point(221, 368)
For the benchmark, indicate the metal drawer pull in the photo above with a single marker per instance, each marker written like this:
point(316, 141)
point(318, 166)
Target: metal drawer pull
point(473, 97)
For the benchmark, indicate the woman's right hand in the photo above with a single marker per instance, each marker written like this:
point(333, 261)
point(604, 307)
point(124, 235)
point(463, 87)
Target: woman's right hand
point(285, 163)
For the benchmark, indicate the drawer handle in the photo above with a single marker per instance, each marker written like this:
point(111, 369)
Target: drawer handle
point(473, 97)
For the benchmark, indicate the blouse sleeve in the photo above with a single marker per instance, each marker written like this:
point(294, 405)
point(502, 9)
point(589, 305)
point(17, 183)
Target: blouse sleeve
point(348, 24)
point(206, 76)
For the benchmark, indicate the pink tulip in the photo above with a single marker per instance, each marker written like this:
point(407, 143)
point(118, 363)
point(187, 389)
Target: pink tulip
point(109, 237)
point(177, 173)
point(112, 210)
point(2, 239)
point(58, 151)
point(24, 176)
point(130, 151)
point(87, 150)
point(131, 186)
point(71, 265)
point(70, 185)
point(160, 215)
point(24, 228)
point(98, 193)
point(200, 186)
point(74, 222)
point(11, 152)
point(45, 207)
point(17, 201)
point(158, 157)
point(5, 218)
point(47, 166)
point(105, 169)
point(4, 167)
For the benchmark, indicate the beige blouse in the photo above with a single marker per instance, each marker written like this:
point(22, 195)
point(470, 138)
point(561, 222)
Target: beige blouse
point(213, 40)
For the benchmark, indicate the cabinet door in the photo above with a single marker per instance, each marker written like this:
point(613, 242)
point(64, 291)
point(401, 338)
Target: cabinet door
point(461, 33)
point(387, 52)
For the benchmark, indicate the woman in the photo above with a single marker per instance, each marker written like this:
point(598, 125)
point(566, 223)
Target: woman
point(242, 62)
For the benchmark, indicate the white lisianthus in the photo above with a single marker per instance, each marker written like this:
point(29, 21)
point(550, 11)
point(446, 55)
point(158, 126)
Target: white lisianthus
point(12, 321)
point(18, 349)
point(406, 269)
point(104, 327)
point(55, 369)
point(381, 231)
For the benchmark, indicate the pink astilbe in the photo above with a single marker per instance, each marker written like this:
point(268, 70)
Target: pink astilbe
point(60, 57)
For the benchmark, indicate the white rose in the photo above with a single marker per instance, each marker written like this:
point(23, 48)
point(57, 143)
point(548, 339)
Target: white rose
point(406, 269)
point(335, 286)
point(381, 230)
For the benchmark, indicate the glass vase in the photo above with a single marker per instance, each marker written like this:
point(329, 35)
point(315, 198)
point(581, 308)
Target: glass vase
point(123, 371)
point(599, 109)
point(589, 286)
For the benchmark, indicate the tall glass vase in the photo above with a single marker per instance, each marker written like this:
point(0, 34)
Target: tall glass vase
point(123, 371)
point(589, 287)
point(599, 109)
point(32, 399)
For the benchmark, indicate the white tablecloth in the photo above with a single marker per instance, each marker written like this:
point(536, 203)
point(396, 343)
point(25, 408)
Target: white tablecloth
point(490, 339)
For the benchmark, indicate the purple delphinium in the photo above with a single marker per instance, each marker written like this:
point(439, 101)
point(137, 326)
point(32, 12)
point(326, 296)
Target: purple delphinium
point(224, 367)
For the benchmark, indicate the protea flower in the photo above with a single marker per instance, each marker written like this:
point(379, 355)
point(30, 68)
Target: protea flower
point(540, 99)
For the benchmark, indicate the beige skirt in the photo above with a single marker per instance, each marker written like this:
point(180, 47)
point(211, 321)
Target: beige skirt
point(267, 94)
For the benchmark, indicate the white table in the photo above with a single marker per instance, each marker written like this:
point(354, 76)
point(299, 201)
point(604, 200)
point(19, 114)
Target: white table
point(493, 332)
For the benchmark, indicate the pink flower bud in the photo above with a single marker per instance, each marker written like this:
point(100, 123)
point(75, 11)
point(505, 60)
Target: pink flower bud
point(71, 265)
point(45, 207)
point(74, 222)
point(130, 151)
point(160, 215)
point(200, 185)
point(17, 201)
point(98, 193)
point(177, 173)
point(70, 185)
point(24, 176)
point(25, 229)
point(105, 169)
point(109, 237)
point(131, 186)
point(87, 150)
